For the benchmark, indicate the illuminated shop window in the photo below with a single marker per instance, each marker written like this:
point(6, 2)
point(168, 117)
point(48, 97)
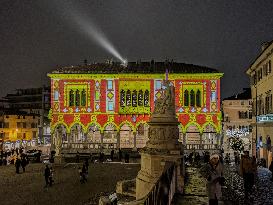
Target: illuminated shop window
point(140, 98)
point(186, 98)
point(134, 98)
point(192, 97)
point(77, 103)
point(128, 98)
point(71, 98)
point(122, 98)
point(83, 98)
point(146, 98)
point(198, 98)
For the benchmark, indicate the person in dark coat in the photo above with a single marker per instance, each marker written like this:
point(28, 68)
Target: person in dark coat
point(84, 174)
point(47, 175)
point(86, 163)
point(24, 163)
point(78, 157)
point(271, 169)
point(112, 155)
point(119, 154)
point(17, 164)
point(51, 176)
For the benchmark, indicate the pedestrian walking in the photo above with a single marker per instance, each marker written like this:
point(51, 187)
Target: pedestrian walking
point(247, 172)
point(17, 164)
point(24, 163)
point(86, 163)
point(51, 176)
point(213, 172)
point(47, 175)
point(112, 155)
point(119, 154)
point(271, 169)
point(78, 157)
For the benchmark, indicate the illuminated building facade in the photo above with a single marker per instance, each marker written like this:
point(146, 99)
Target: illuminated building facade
point(18, 129)
point(109, 105)
point(237, 119)
point(261, 79)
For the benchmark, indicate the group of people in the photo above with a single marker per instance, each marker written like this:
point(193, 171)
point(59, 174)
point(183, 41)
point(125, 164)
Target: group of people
point(213, 172)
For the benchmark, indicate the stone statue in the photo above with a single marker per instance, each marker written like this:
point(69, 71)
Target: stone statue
point(58, 142)
point(166, 102)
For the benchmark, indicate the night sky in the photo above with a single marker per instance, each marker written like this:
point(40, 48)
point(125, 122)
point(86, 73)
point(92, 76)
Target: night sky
point(38, 35)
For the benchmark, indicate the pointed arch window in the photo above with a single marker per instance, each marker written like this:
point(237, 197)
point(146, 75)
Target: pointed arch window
point(186, 98)
point(78, 97)
point(71, 98)
point(140, 98)
point(122, 98)
point(128, 98)
point(134, 98)
point(83, 98)
point(146, 98)
point(198, 98)
point(192, 97)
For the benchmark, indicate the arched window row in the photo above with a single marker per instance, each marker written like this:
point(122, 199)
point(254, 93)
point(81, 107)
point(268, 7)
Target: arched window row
point(77, 97)
point(134, 98)
point(192, 98)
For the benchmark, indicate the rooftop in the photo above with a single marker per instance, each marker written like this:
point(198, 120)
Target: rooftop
point(245, 95)
point(136, 67)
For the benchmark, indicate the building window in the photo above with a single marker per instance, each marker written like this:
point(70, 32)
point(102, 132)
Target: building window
point(198, 98)
point(140, 98)
point(56, 95)
point(186, 98)
point(192, 97)
point(83, 98)
point(34, 134)
point(146, 98)
point(128, 98)
point(18, 125)
point(249, 115)
point(71, 98)
point(110, 85)
point(78, 98)
point(122, 98)
point(32, 125)
point(24, 125)
point(134, 98)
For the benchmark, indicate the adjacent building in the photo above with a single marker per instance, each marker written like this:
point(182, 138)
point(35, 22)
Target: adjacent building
point(33, 102)
point(18, 129)
point(108, 105)
point(261, 79)
point(237, 119)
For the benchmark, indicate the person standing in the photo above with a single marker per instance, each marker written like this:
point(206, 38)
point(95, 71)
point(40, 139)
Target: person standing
point(213, 172)
point(119, 154)
point(271, 169)
point(24, 163)
point(51, 176)
point(47, 175)
point(112, 155)
point(17, 164)
point(247, 172)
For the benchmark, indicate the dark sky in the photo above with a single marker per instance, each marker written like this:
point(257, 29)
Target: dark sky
point(37, 35)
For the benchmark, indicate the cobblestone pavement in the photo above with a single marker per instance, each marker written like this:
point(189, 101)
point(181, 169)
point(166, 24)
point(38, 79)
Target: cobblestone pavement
point(233, 192)
point(262, 192)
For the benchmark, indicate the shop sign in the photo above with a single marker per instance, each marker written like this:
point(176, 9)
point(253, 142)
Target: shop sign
point(265, 118)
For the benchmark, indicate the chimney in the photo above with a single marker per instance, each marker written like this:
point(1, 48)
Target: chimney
point(264, 45)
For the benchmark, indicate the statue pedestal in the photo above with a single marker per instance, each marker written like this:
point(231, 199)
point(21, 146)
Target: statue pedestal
point(152, 167)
